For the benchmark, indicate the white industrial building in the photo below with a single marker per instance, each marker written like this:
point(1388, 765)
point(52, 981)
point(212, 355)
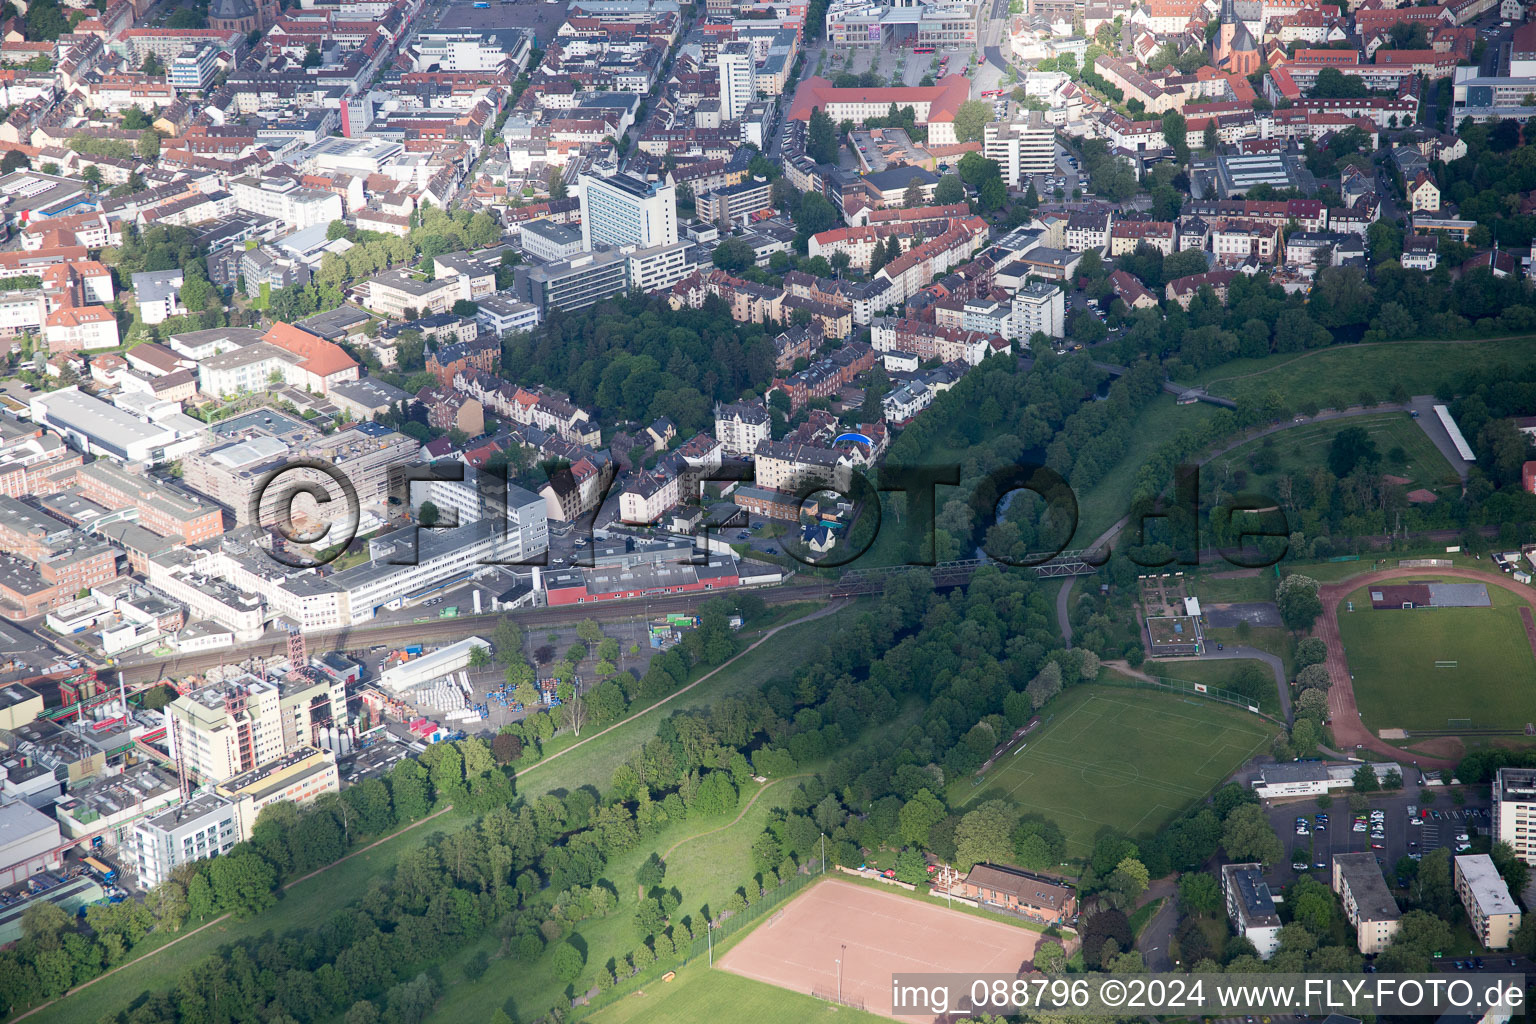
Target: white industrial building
point(428, 667)
point(100, 428)
point(202, 827)
point(29, 843)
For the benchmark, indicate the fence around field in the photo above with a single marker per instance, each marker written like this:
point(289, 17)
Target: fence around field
point(766, 901)
point(1190, 689)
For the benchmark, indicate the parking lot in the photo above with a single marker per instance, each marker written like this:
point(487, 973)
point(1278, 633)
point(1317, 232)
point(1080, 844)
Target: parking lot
point(1399, 838)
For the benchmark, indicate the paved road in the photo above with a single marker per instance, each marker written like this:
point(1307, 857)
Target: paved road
point(1153, 940)
point(1428, 422)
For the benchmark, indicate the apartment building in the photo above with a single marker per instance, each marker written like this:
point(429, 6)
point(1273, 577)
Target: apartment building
point(737, 64)
point(1251, 906)
point(929, 341)
point(575, 283)
point(1021, 148)
point(1514, 811)
point(741, 426)
point(783, 466)
point(286, 200)
point(1039, 308)
point(396, 291)
point(1368, 903)
point(1491, 911)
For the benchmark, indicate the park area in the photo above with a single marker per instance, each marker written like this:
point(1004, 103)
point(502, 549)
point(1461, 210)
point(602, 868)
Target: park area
point(1439, 669)
point(1120, 758)
point(1404, 452)
point(700, 994)
point(840, 932)
point(1335, 377)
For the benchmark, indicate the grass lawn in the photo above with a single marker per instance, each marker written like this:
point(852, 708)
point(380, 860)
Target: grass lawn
point(306, 905)
point(310, 903)
point(1330, 376)
point(701, 994)
point(1275, 640)
point(1109, 499)
point(1143, 914)
point(1392, 655)
point(1229, 591)
point(594, 763)
point(1122, 758)
point(1216, 674)
point(706, 860)
point(1303, 448)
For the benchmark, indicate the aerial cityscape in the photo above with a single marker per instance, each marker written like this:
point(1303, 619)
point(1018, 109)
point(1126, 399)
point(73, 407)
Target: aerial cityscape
point(644, 511)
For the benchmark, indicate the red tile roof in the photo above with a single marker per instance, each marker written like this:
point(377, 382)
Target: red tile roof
point(319, 356)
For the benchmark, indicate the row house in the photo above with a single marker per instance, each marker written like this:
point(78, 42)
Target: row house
point(1127, 235)
point(827, 376)
point(448, 361)
point(930, 340)
point(1309, 214)
point(1384, 111)
point(921, 264)
point(448, 409)
point(578, 488)
point(860, 298)
point(1235, 240)
point(831, 321)
point(749, 302)
point(794, 344)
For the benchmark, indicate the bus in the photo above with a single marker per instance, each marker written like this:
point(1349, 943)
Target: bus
point(922, 49)
point(108, 874)
point(987, 94)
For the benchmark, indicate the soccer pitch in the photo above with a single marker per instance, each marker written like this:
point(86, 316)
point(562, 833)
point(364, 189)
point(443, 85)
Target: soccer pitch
point(1128, 759)
point(1423, 668)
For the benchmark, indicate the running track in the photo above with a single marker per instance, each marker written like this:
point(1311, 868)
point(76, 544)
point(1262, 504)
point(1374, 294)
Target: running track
point(1348, 730)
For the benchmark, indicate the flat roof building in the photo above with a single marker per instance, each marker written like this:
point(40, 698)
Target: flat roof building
point(1491, 910)
point(204, 826)
point(1368, 903)
point(29, 843)
point(1251, 906)
point(100, 428)
point(1514, 811)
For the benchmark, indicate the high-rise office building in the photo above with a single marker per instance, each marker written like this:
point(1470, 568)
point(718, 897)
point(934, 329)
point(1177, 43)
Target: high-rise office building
point(737, 83)
point(627, 210)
